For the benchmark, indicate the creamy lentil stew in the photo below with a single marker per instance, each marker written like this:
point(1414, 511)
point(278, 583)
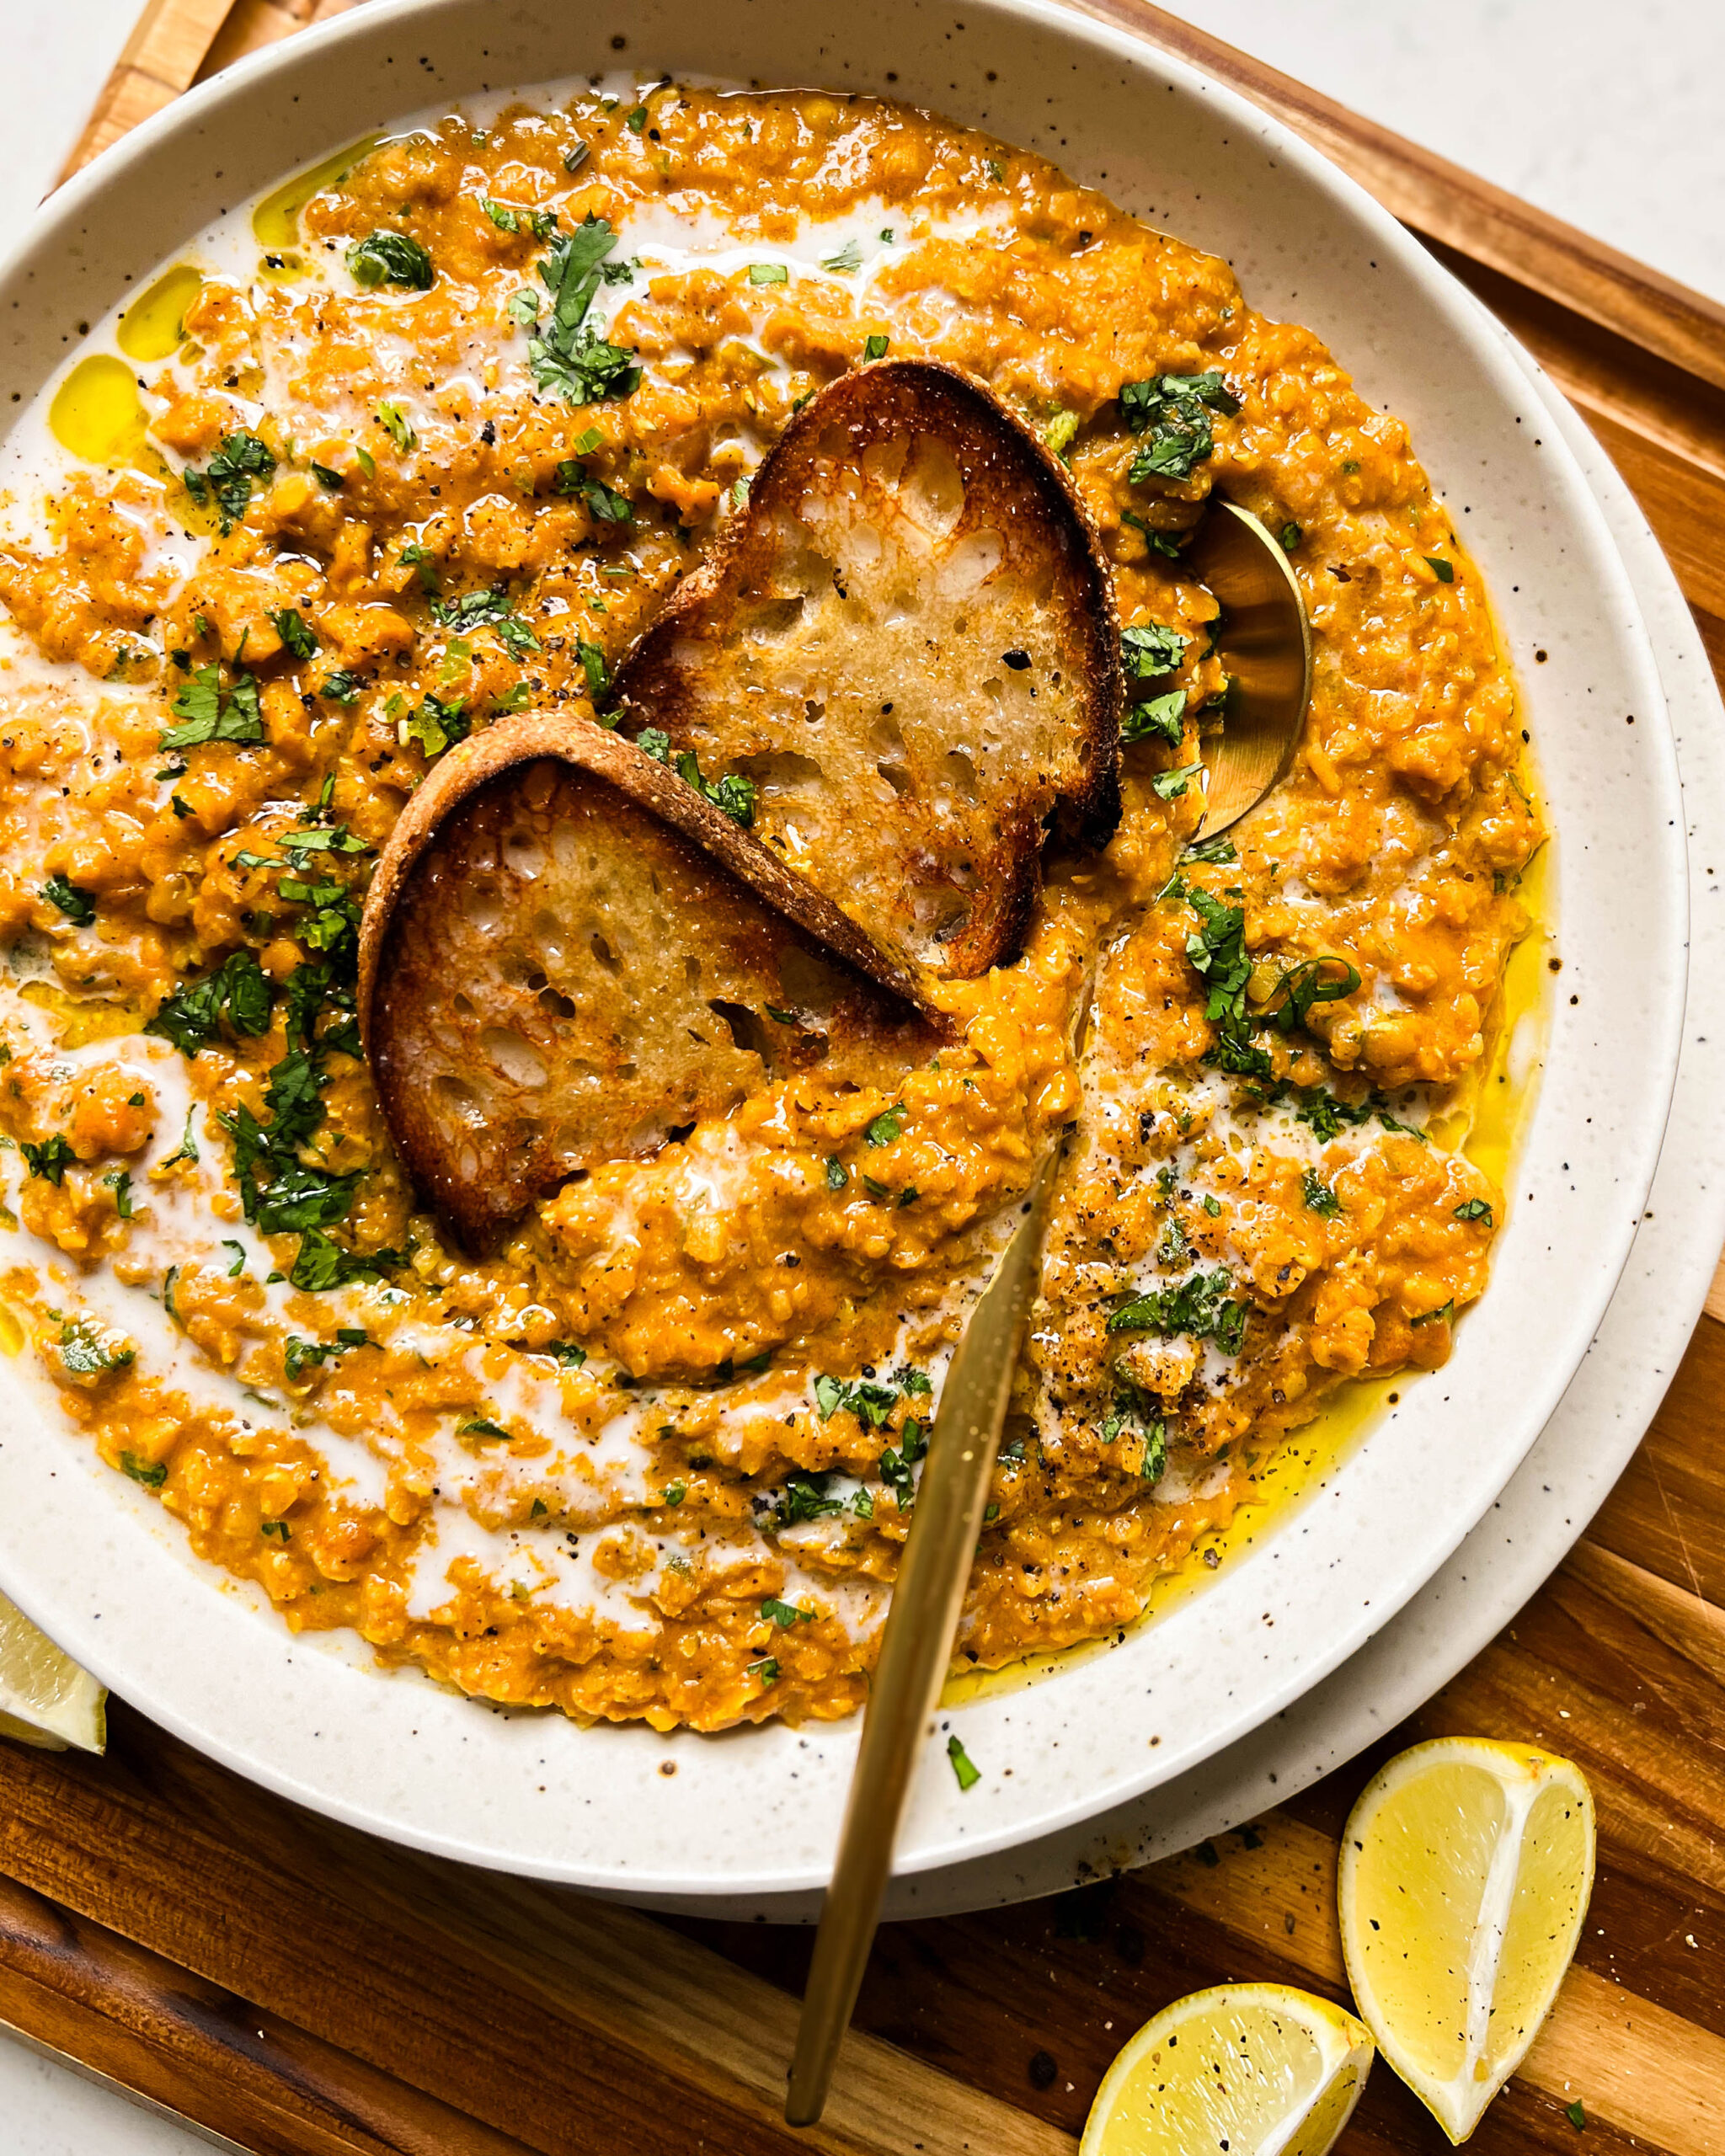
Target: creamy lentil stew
point(428, 440)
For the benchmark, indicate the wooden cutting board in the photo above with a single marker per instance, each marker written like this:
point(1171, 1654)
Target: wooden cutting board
point(306, 1992)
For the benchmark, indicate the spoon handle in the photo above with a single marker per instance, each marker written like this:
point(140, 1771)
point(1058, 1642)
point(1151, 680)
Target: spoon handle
point(916, 1648)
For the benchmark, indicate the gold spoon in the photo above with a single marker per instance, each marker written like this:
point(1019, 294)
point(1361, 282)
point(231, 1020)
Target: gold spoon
point(1264, 642)
point(1265, 646)
point(916, 1648)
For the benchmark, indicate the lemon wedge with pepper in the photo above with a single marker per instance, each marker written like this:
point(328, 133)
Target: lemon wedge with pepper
point(1256, 2069)
point(46, 1699)
point(1464, 1875)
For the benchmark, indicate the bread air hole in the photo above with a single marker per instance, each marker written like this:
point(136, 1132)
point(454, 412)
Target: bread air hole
point(924, 475)
point(516, 1058)
point(748, 1031)
point(950, 919)
point(782, 771)
point(481, 907)
point(775, 620)
point(970, 564)
point(959, 774)
point(456, 1099)
point(524, 855)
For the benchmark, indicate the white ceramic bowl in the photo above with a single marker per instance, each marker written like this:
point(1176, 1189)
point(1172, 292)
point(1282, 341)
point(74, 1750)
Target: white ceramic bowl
point(755, 1812)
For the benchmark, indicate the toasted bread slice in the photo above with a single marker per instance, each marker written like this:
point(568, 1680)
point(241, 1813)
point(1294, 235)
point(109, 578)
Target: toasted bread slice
point(567, 953)
point(909, 642)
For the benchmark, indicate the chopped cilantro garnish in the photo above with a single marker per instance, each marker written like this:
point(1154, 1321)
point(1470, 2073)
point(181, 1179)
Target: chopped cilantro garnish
point(1218, 954)
point(1443, 571)
point(967, 1775)
point(296, 633)
point(887, 1126)
point(1290, 536)
point(1149, 648)
point(341, 685)
point(604, 504)
point(390, 258)
point(226, 478)
point(50, 1160)
point(1165, 543)
point(1444, 1312)
point(1304, 984)
point(237, 997)
point(837, 1174)
point(1476, 1208)
point(1157, 719)
point(394, 423)
point(1317, 1195)
point(435, 724)
point(733, 792)
point(803, 1497)
point(322, 1263)
point(847, 261)
point(487, 608)
point(784, 1614)
point(86, 1355)
point(876, 346)
point(1173, 409)
point(564, 358)
point(152, 1473)
point(1172, 785)
point(300, 1355)
point(207, 713)
point(119, 1182)
point(78, 906)
point(326, 838)
point(895, 1466)
point(507, 218)
point(1324, 1114)
point(1200, 1305)
point(1059, 433)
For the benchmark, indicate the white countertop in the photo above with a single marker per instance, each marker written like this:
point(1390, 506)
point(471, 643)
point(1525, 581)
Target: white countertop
point(1619, 134)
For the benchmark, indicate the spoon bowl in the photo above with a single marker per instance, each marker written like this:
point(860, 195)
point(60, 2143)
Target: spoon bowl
point(1265, 644)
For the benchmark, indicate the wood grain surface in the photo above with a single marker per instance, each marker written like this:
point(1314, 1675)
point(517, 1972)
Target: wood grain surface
point(306, 1992)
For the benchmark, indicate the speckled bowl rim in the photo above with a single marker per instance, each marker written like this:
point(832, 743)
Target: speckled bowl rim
point(756, 1810)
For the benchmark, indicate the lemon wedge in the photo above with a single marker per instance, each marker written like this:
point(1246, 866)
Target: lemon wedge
point(45, 1698)
point(1256, 2069)
point(1464, 1875)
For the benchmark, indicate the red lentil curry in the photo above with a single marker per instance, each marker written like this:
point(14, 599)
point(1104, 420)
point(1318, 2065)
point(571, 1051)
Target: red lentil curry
point(438, 453)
